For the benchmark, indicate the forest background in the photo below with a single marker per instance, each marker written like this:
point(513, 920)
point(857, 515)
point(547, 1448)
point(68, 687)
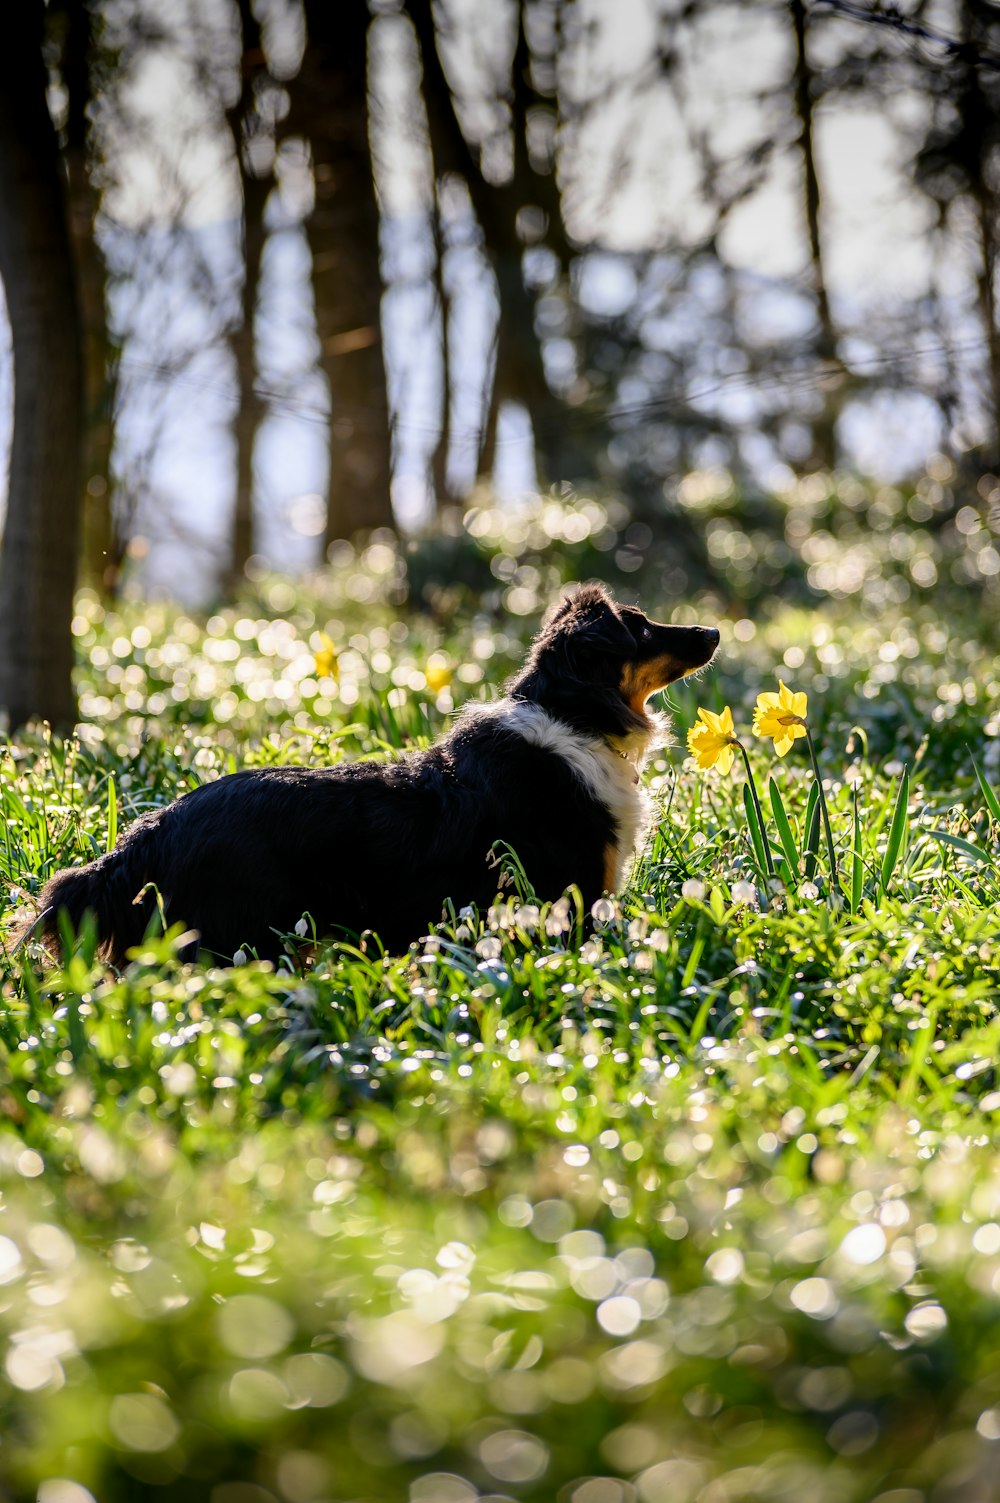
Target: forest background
point(715, 279)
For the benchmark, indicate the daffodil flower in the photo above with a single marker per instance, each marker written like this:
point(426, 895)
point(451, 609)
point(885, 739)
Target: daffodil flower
point(711, 740)
point(326, 658)
point(781, 716)
point(437, 673)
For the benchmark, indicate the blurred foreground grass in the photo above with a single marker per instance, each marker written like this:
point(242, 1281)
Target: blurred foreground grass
point(702, 1209)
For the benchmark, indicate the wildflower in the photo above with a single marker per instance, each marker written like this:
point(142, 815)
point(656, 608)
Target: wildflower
point(557, 920)
point(603, 911)
point(302, 928)
point(711, 740)
point(326, 658)
point(744, 893)
point(240, 958)
point(781, 716)
point(694, 890)
point(437, 673)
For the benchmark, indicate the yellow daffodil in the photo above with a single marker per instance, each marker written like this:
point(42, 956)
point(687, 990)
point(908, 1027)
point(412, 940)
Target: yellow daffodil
point(711, 740)
point(326, 659)
point(437, 673)
point(780, 716)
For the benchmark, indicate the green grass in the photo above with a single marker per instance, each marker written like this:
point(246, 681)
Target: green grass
point(705, 1207)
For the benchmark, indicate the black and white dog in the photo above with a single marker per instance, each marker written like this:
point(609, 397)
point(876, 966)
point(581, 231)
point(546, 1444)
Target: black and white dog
point(551, 770)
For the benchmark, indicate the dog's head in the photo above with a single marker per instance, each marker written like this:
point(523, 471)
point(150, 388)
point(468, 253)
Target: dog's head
point(595, 663)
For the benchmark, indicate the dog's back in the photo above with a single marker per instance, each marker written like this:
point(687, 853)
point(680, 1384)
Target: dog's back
point(550, 771)
point(358, 847)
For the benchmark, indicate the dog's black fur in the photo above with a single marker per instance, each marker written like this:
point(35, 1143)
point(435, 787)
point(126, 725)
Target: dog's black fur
point(382, 847)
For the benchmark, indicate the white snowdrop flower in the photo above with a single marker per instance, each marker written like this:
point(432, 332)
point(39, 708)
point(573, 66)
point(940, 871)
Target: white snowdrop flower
point(468, 912)
point(694, 890)
point(809, 891)
point(302, 928)
point(659, 940)
point(603, 911)
point(745, 893)
point(526, 917)
point(853, 774)
point(489, 948)
point(557, 918)
point(240, 958)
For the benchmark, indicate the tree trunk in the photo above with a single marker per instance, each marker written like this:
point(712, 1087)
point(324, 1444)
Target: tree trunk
point(103, 549)
point(38, 561)
point(519, 368)
point(979, 130)
point(824, 428)
point(255, 190)
point(329, 109)
point(440, 485)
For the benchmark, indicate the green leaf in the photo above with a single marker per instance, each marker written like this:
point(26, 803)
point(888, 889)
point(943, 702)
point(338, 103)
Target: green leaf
point(810, 826)
point(784, 831)
point(112, 813)
point(897, 831)
point(857, 864)
point(920, 1043)
point(757, 836)
point(992, 802)
point(974, 852)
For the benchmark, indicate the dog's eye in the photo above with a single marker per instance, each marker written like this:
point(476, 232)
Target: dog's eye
point(646, 633)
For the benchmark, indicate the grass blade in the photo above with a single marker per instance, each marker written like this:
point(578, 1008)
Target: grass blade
point(784, 831)
point(992, 802)
point(974, 852)
point(112, 813)
point(757, 835)
point(897, 831)
point(857, 864)
point(810, 826)
point(919, 1055)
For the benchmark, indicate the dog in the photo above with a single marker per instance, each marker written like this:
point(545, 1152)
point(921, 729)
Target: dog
point(550, 770)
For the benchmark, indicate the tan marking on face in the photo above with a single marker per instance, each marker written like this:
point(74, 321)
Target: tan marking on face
point(611, 868)
point(640, 680)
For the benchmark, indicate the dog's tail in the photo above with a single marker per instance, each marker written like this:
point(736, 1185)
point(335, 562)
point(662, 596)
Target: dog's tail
point(106, 889)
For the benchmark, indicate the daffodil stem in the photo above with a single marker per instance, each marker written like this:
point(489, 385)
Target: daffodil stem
point(756, 803)
point(834, 874)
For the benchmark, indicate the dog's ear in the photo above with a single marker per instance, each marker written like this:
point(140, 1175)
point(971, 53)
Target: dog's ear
point(590, 617)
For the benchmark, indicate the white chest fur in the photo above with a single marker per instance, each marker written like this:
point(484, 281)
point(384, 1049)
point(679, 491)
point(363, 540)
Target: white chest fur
point(611, 774)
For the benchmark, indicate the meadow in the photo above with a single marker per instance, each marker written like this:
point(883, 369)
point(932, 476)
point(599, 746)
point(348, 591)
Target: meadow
point(700, 1207)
